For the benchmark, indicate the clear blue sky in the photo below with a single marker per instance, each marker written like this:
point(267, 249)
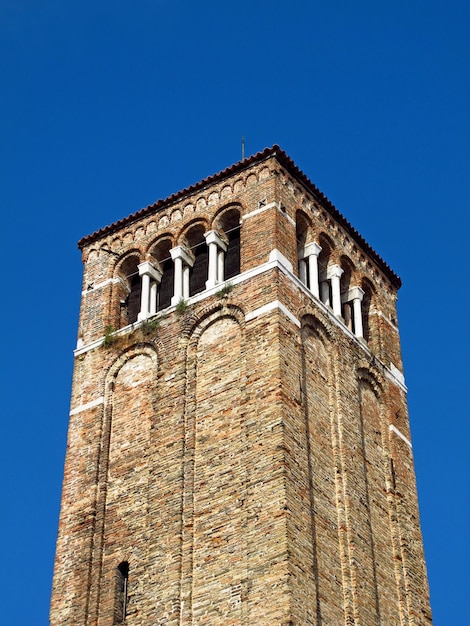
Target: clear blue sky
point(107, 106)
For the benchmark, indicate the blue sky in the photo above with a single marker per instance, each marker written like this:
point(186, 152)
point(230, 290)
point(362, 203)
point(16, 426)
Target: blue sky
point(106, 107)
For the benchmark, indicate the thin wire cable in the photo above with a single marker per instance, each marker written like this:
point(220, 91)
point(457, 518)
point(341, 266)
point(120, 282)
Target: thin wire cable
point(161, 261)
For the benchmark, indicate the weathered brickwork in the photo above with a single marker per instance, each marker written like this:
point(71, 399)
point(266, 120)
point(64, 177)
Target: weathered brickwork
point(242, 453)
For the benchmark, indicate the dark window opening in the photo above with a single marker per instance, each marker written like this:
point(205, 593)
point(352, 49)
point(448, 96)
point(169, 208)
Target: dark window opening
point(347, 311)
point(133, 301)
point(166, 286)
point(301, 232)
point(228, 224)
point(366, 303)
point(120, 600)
point(232, 256)
point(198, 273)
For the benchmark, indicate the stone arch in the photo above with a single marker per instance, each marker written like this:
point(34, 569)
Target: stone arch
point(307, 252)
point(325, 259)
point(309, 319)
point(347, 278)
point(124, 477)
point(196, 323)
point(375, 516)
point(127, 289)
point(318, 401)
point(161, 257)
point(182, 236)
point(215, 461)
point(303, 228)
point(193, 236)
point(369, 321)
point(347, 281)
point(372, 379)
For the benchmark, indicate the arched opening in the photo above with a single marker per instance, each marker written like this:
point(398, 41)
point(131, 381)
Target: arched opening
point(165, 287)
point(129, 290)
point(120, 597)
point(229, 224)
point(302, 225)
point(347, 311)
point(323, 262)
point(198, 273)
point(366, 309)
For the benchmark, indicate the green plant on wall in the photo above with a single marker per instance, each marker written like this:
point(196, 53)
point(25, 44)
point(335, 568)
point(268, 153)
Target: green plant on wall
point(182, 307)
point(109, 338)
point(149, 326)
point(226, 289)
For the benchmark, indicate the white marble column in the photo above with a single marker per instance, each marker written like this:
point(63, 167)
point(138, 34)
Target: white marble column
point(186, 272)
point(182, 261)
point(311, 252)
point(153, 296)
point(148, 296)
point(357, 294)
point(334, 273)
point(221, 265)
point(353, 299)
point(217, 248)
point(302, 268)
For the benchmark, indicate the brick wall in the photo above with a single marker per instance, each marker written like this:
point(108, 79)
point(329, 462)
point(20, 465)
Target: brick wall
point(248, 456)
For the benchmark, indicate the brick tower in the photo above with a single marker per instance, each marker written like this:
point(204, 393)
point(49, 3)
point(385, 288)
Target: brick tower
point(239, 449)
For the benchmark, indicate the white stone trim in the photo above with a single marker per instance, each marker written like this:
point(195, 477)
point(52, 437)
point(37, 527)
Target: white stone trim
point(82, 348)
point(275, 262)
point(108, 281)
point(277, 257)
point(381, 314)
point(287, 216)
point(266, 207)
point(271, 205)
point(88, 405)
point(397, 374)
point(395, 430)
point(271, 306)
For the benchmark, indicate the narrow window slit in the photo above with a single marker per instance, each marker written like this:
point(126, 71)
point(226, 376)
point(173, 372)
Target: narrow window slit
point(122, 583)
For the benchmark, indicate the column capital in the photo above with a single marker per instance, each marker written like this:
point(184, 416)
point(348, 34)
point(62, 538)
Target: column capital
point(146, 268)
point(354, 293)
point(311, 249)
point(180, 252)
point(334, 271)
point(213, 237)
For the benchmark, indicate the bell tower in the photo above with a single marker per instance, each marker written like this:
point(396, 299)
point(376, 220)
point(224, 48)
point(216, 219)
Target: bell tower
point(239, 450)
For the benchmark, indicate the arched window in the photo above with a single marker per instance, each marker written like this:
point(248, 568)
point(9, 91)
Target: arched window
point(301, 230)
point(129, 290)
point(347, 311)
point(229, 224)
point(198, 247)
point(165, 264)
point(366, 309)
point(120, 598)
point(323, 262)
